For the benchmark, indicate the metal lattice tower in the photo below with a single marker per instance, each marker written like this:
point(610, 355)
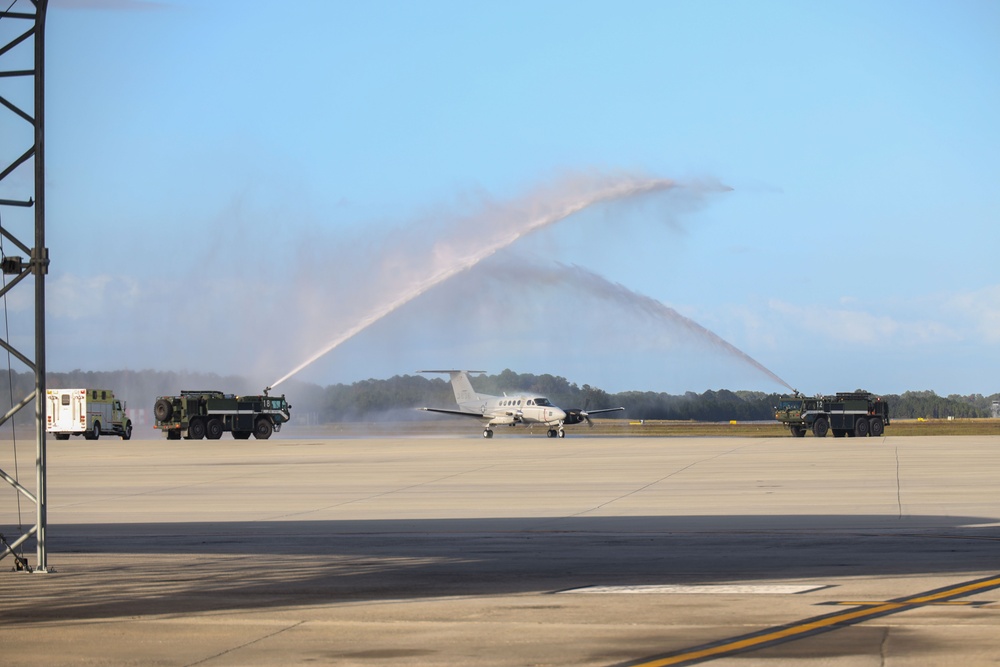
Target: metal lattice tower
point(35, 259)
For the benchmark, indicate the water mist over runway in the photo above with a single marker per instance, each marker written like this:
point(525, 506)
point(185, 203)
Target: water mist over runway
point(452, 257)
point(597, 287)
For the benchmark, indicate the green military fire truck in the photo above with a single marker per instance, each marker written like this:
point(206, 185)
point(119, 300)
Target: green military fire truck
point(194, 415)
point(850, 414)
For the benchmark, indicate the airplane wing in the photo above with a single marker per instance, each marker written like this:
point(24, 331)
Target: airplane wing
point(597, 412)
point(462, 413)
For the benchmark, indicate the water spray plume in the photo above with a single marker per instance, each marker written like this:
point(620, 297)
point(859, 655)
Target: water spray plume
point(622, 189)
point(596, 286)
point(621, 294)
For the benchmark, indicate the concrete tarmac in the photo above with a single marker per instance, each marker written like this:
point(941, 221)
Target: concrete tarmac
point(520, 550)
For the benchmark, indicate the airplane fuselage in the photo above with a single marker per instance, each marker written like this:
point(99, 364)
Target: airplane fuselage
point(523, 409)
point(527, 409)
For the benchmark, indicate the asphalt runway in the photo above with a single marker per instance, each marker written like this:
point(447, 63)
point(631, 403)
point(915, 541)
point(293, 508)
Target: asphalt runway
point(520, 550)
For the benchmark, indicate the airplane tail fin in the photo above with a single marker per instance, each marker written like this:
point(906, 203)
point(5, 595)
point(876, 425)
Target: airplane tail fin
point(461, 384)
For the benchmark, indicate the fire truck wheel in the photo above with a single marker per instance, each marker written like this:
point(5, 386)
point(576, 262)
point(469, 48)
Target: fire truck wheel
point(262, 429)
point(241, 435)
point(861, 428)
point(196, 429)
point(163, 410)
point(877, 428)
point(214, 429)
point(820, 427)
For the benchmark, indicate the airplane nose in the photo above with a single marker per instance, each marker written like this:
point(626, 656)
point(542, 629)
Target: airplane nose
point(559, 414)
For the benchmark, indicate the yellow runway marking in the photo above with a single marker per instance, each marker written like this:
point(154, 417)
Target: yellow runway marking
point(813, 626)
point(945, 603)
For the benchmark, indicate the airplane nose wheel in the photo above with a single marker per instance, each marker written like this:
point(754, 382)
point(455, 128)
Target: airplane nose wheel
point(487, 433)
point(562, 433)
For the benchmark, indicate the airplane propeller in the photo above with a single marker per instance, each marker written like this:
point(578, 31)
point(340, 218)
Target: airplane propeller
point(576, 415)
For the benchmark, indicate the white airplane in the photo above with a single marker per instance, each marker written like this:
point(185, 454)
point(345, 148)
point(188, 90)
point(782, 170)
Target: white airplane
point(511, 410)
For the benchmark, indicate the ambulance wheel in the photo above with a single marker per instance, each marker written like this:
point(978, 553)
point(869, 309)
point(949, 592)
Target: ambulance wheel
point(127, 433)
point(877, 428)
point(62, 436)
point(94, 433)
point(214, 429)
point(196, 429)
point(262, 429)
point(163, 410)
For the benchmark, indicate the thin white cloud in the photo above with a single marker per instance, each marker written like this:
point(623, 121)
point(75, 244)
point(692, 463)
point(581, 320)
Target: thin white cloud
point(871, 323)
point(979, 310)
point(75, 297)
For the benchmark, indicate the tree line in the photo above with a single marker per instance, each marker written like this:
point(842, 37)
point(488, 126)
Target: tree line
point(396, 398)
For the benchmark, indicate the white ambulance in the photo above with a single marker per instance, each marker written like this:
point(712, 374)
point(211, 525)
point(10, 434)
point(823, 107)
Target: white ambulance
point(86, 412)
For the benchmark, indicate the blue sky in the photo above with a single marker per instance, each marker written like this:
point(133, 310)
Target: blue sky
point(231, 185)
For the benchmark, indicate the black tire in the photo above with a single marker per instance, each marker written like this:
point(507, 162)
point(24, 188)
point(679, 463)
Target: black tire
point(94, 433)
point(62, 436)
point(196, 429)
point(877, 428)
point(214, 429)
point(487, 433)
point(173, 435)
point(839, 432)
point(797, 431)
point(820, 427)
point(127, 433)
point(241, 435)
point(262, 429)
point(163, 410)
point(861, 427)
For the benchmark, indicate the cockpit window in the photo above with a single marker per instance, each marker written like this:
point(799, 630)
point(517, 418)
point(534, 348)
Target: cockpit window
point(542, 401)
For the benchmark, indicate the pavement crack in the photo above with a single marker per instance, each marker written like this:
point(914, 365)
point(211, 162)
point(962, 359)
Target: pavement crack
point(244, 645)
point(655, 482)
point(384, 493)
point(899, 497)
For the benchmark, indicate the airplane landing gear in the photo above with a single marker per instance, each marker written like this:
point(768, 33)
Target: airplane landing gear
point(487, 433)
point(551, 433)
point(562, 433)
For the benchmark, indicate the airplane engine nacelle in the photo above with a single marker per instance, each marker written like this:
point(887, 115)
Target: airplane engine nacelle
point(576, 416)
point(506, 419)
